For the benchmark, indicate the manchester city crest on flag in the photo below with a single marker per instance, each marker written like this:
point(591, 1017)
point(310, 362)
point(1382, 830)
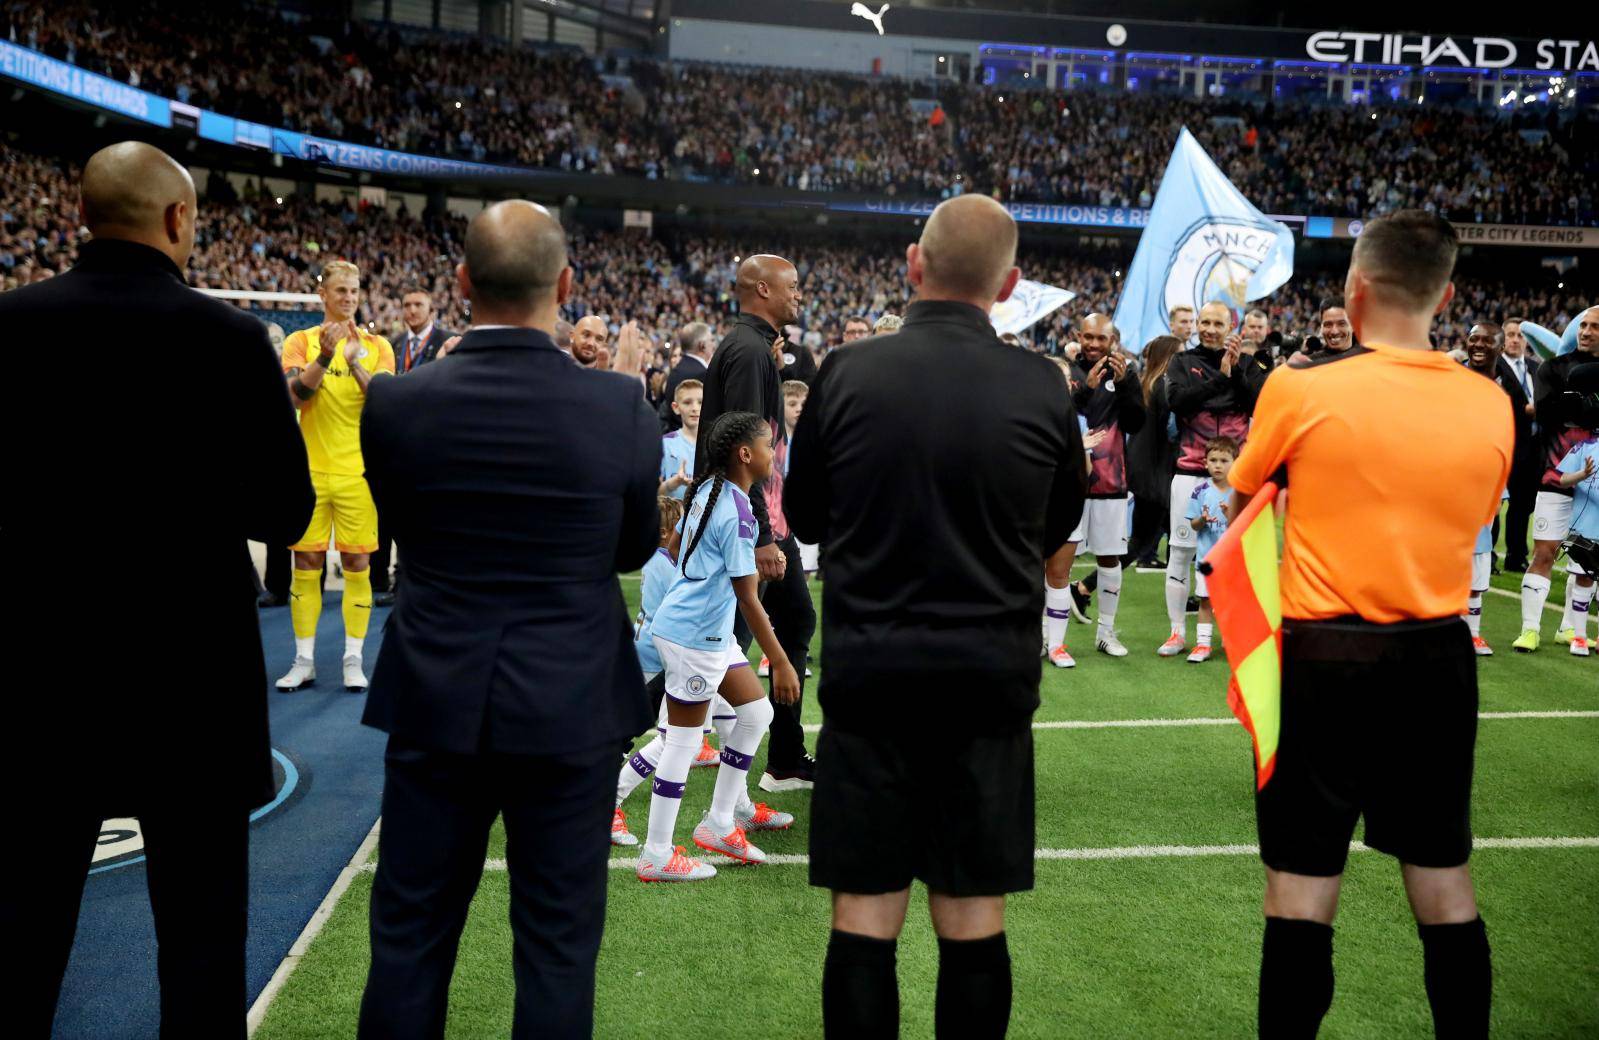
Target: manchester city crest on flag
point(1204, 243)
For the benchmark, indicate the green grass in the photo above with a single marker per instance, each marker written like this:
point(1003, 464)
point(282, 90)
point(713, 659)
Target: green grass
point(1109, 948)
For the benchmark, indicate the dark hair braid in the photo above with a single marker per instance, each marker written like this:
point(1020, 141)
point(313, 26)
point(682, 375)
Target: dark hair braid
point(729, 431)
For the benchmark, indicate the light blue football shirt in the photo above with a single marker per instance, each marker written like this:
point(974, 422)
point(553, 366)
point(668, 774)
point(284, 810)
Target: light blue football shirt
point(1208, 497)
point(658, 575)
point(697, 611)
point(1585, 504)
point(675, 449)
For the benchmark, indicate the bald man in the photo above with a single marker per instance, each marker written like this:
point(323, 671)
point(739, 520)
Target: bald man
point(745, 376)
point(1211, 390)
point(221, 458)
point(507, 677)
point(589, 339)
point(939, 467)
point(1112, 403)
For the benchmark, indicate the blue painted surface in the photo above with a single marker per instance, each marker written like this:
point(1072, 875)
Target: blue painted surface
point(296, 850)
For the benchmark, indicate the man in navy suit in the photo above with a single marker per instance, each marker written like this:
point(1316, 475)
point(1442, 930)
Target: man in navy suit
point(1518, 370)
point(519, 484)
point(420, 344)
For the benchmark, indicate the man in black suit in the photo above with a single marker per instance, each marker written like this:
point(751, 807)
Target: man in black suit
point(192, 760)
point(1527, 470)
point(743, 377)
point(697, 341)
point(507, 678)
point(420, 344)
point(941, 468)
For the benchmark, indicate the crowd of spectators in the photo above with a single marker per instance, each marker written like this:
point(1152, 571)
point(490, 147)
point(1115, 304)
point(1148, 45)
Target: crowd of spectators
point(557, 109)
point(248, 239)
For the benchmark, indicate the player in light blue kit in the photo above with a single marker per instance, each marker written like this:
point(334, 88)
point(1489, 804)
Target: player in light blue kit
point(1481, 568)
point(1207, 515)
point(1580, 469)
point(693, 632)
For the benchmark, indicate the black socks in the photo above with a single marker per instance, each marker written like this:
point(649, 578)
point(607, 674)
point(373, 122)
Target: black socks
point(1296, 978)
point(860, 992)
point(1459, 975)
point(974, 988)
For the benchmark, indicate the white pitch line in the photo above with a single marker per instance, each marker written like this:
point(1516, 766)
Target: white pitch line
point(816, 727)
point(1117, 852)
point(359, 863)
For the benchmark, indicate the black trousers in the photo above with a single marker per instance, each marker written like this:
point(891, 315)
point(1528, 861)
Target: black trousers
point(279, 565)
point(1150, 518)
point(1523, 494)
point(437, 811)
point(197, 869)
point(381, 561)
point(788, 604)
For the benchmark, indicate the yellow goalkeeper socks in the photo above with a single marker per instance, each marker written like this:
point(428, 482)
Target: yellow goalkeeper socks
point(305, 602)
point(357, 605)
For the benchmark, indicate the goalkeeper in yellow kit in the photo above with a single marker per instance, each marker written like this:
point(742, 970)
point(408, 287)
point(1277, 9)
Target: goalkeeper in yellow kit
point(329, 368)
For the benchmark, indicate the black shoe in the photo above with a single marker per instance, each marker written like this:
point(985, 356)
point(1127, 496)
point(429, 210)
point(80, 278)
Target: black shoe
point(383, 599)
point(800, 777)
point(1079, 604)
point(1193, 605)
point(266, 600)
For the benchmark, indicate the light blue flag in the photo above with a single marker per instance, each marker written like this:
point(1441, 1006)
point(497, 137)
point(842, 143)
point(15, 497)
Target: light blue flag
point(1546, 343)
point(1030, 302)
point(1204, 242)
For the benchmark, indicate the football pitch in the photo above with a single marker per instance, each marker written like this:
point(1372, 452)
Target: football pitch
point(1145, 920)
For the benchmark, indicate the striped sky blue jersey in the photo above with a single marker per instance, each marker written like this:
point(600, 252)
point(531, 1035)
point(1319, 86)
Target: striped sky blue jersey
point(698, 609)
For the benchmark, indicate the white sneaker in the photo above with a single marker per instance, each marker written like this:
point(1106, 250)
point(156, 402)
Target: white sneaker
point(1109, 644)
point(354, 677)
point(1173, 646)
point(1579, 646)
point(1200, 655)
point(620, 835)
point(301, 675)
point(678, 867)
point(762, 817)
point(765, 668)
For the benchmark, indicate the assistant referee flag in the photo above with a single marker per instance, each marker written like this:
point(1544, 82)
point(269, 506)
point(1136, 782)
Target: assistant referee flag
point(1241, 573)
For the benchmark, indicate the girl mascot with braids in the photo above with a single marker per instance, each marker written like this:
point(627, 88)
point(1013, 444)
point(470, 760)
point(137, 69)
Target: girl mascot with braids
point(693, 632)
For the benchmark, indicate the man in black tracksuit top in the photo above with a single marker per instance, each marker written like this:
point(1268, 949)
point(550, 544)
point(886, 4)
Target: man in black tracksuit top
point(1211, 389)
point(1106, 394)
point(743, 377)
point(1559, 414)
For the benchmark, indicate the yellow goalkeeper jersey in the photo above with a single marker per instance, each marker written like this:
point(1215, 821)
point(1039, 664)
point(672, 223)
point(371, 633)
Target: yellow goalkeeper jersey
point(331, 420)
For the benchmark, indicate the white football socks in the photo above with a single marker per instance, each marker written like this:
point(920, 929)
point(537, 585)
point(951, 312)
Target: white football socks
point(682, 743)
point(732, 777)
point(1534, 592)
point(1202, 636)
point(1582, 600)
point(1180, 560)
point(1110, 592)
point(639, 768)
point(305, 647)
point(1566, 618)
point(1057, 612)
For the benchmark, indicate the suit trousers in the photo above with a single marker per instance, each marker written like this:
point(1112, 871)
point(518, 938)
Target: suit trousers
point(381, 561)
point(793, 615)
point(279, 568)
point(1523, 489)
point(197, 871)
point(438, 808)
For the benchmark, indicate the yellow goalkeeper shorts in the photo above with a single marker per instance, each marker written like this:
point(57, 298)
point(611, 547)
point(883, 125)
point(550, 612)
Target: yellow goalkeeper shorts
point(344, 514)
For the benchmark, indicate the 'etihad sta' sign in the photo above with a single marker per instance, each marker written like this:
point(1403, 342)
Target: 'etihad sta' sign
point(1473, 52)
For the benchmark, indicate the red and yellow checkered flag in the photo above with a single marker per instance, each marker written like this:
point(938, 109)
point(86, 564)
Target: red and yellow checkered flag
point(1241, 573)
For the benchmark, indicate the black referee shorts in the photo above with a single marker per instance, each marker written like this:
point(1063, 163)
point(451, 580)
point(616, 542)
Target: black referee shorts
point(1378, 721)
point(953, 810)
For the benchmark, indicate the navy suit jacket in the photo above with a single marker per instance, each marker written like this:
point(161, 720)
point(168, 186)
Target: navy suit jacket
point(429, 351)
point(100, 461)
point(520, 484)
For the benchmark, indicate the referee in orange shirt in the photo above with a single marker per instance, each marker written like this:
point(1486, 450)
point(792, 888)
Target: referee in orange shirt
point(1379, 699)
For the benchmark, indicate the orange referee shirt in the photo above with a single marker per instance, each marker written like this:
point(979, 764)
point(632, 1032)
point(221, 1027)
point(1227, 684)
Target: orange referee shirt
point(1395, 460)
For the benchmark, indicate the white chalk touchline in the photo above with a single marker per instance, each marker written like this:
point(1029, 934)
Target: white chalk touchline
point(1121, 852)
point(1551, 607)
point(359, 863)
point(815, 727)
